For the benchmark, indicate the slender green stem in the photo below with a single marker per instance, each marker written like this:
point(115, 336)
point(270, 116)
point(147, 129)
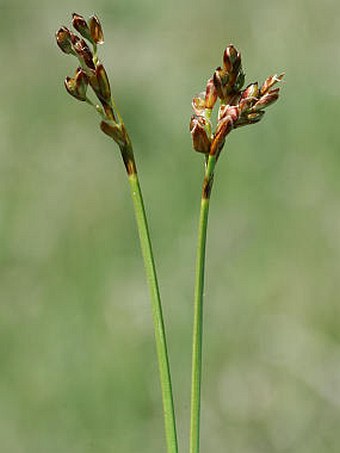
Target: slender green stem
point(196, 377)
point(162, 352)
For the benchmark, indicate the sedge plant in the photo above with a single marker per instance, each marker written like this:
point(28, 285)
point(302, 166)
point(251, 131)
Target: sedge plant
point(237, 107)
point(91, 73)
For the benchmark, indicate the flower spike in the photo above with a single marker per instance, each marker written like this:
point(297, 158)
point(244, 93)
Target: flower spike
point(91, 72)
point(237, 107)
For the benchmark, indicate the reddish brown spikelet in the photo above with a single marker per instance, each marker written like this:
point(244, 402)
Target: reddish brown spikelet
point(233, 111)
point(231, 59)
point(248, 118)
point(255, 117)
point(63, 37)
point(246, 104)
point(224, 127)
point(84, 52)
point(77, 86)
point(103, 82)
point(220, 79)
point(81, 26)
point(251, 91)
point(74, 38)
point(96, 30)
point(100, 83)
point(265, 101)
point(198, 105)
point(200, 139)
point(270, 81)
point(113, 130)
point(82, 79)
point(210, 94)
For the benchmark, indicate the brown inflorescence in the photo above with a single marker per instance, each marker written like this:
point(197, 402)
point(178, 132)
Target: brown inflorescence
point(91, 72)
point(237, 107)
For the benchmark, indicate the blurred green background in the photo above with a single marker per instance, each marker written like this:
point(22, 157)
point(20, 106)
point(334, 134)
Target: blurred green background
point(78, 371)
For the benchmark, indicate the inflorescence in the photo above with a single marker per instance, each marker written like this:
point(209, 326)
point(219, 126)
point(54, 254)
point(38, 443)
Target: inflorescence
point(237, 107)
point(91, 72)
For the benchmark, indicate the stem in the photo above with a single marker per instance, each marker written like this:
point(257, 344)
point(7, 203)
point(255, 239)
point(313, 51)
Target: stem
point(161, 345)
point(196, 377)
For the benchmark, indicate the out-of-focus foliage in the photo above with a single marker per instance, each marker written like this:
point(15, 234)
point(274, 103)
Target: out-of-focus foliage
point(78, 367)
